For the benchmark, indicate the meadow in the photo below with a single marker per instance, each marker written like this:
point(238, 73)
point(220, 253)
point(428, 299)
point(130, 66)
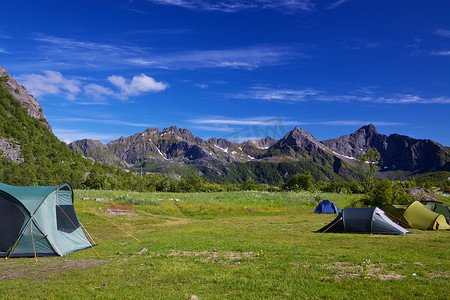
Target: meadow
point(235, 245)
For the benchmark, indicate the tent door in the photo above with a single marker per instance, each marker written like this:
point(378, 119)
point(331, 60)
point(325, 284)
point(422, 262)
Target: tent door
point(11, 222)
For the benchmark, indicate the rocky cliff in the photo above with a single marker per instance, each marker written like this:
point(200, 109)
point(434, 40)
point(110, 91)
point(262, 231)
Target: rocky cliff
point(20, 93)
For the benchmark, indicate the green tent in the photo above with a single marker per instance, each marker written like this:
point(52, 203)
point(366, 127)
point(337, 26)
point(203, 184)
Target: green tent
point(416, 215)
point(395, 214)
point(437, 207)
point(39, 221)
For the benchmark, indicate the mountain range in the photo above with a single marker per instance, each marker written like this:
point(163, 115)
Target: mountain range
point(176, 150)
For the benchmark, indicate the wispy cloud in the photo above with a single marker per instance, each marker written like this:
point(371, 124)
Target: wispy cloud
point(443, 32)
point(295, 95)
point(238, 58)
point(232, 6)
point(3, 50)
point(284, 95)
point(76, 54)
point(336, 4)
point(248, 128)
point(260, 121)
point(441, 53)
point(109, 122)
point(270, 121)
point(54, 83)
point(395, 99)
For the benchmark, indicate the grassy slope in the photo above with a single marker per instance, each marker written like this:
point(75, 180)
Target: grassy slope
point(243, 245)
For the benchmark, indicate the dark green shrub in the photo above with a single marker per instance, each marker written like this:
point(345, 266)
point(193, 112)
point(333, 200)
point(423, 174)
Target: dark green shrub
point(384, 192)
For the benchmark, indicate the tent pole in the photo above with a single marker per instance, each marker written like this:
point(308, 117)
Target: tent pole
point(20, 236)
point(89, 235)
point(90, 242)
point(32, 239)
point(49, 239)
point(76, 228)
point(399, 220)
point(331, 225)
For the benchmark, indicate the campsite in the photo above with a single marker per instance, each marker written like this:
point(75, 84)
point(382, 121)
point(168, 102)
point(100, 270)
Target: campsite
point(237, 245)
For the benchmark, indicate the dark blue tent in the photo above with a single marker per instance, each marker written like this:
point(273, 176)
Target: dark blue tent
point(326, 207)
point(363, 220)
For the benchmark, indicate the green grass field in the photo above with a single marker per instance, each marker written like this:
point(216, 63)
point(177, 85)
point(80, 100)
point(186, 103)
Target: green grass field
point(237, 245)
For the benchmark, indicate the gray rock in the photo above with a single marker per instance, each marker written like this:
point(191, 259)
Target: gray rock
point(11, 150)
point(21, 94)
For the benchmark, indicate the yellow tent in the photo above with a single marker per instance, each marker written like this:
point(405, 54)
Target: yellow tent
point(418, 216)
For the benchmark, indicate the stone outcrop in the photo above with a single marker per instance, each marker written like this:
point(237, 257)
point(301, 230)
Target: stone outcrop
point(11, 150)
point(20, 93)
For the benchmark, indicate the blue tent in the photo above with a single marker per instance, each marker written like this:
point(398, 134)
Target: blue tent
point(326, 207)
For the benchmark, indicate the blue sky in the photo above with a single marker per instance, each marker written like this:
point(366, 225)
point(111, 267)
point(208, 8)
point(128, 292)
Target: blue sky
point(237, 69)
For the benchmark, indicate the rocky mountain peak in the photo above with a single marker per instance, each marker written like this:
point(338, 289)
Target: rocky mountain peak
point(368, 130)
point(357, 143)
point(179, 133)
point(264, 143)
point(152, 131)
point(20, 93)
point(300, 137)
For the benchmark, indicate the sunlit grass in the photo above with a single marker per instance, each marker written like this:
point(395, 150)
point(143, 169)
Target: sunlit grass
point(240, 245)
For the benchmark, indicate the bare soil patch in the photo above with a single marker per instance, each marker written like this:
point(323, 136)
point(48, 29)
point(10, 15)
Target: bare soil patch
point(377, 271)
point(120, 209)
point(224, 257)
point(9, 271)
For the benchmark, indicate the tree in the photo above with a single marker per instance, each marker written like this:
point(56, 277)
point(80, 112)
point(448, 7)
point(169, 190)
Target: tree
point(369, 162)
point(387, 192)
point(301, 182)
point(249, 185)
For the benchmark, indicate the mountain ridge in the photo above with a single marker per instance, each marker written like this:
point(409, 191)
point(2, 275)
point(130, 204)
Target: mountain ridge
point(178, 150)
point(153, 146)
point(397, 152)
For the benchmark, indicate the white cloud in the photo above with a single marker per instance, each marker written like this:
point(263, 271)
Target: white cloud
point(441, 53)
point(2, 50)
point(336, 4)
point(73, 54)
point(271, 121)
point(293, 95)
point(52, 83)
point(238, 58)
point(108, 122)
point(395, 99)
point(231, 6)
point(97, 91)
point(286, 95)
point(259, 121)
point(443, 32)
point(138, 85)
